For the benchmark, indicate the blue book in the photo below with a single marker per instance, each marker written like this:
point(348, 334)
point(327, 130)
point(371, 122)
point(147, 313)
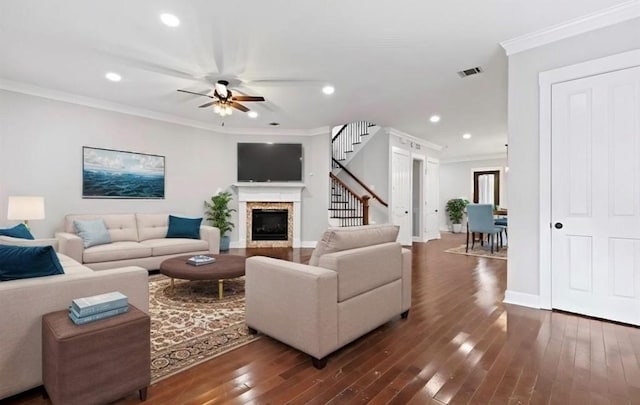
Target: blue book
point(99, 303)
point(95, 317)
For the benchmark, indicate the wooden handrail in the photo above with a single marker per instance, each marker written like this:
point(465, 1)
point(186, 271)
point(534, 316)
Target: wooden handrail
point(363, 200)
point(373, 194)
point(349, 189)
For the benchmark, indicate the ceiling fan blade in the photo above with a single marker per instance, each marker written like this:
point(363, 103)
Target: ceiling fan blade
point(247, 98)
point(207, 104)
point(238, 106)
point(282, 83)
point(193, 92)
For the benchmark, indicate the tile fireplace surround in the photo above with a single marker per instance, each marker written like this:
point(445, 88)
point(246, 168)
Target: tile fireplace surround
point(269, 195)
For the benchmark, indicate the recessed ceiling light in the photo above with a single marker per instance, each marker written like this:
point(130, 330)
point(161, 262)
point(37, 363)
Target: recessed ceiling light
point(466, 136)
point(252, 114)
point(328, 89)
point(114, 77)
point(169, 20)
point(434, 118)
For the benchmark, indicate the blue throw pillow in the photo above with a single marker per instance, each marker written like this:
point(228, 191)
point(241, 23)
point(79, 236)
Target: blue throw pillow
point(93, 232)
point(18, 231)
point(184, 227)
point(18, 262)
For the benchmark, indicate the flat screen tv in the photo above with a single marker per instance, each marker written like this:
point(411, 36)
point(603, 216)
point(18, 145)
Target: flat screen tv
point(265, 162)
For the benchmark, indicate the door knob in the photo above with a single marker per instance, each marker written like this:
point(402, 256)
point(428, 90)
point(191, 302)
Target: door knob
point(406, 212)
point(436, 210)
point(558, 225)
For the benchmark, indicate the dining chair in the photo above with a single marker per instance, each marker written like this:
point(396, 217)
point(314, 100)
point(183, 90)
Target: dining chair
point(480, 220)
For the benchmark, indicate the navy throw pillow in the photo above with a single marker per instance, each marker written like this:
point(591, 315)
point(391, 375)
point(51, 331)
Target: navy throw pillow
point(184, 227)
point(18, 231)
point(18, 262)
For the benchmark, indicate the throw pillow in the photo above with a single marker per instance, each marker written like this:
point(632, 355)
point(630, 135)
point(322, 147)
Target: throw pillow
point(18, 262)
point(184, 227)
point(93, 232)
point(18, 231)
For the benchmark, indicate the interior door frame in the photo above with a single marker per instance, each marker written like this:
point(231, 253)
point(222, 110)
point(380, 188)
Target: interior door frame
point(421, 212)
point(545, 81)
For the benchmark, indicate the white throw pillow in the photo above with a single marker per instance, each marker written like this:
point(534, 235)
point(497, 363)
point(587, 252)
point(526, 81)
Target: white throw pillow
point(93, 232)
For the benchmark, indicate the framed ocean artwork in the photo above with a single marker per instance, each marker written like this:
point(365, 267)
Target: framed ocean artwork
point(110, 173)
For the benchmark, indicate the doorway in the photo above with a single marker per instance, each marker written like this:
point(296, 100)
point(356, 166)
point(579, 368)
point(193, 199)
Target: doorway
point(486, 187)
point(417, 181)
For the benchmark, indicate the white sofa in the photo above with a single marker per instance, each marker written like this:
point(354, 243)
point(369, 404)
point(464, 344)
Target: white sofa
point(137, 240)
point(23, 303)
point(358, 278)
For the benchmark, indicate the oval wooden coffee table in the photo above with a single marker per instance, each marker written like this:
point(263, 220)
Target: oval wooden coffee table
point(225, 267)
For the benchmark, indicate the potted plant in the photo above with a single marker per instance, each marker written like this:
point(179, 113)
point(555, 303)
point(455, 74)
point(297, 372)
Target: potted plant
point(455, 208)
point(219, 213)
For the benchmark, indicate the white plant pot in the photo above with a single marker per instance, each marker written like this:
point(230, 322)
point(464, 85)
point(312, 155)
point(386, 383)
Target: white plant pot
point(457, 228)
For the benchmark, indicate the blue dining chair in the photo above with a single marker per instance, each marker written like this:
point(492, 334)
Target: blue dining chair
point(480, 220)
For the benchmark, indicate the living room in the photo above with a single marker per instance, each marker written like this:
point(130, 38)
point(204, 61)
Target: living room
point(54, 102)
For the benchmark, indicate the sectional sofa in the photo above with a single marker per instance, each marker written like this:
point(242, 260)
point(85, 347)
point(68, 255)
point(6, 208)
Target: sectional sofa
point(137, 240)
point(24, 301)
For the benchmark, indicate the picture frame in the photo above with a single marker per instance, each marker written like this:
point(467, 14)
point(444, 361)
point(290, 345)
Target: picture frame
point(117, 174)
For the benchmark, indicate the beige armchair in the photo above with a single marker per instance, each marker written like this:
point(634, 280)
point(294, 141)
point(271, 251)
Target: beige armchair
point(358, 279)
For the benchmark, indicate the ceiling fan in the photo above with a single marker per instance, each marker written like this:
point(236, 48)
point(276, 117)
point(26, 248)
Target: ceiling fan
point(224, 100)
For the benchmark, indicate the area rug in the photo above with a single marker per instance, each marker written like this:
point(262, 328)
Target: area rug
point(189, 324)
point(480, 251)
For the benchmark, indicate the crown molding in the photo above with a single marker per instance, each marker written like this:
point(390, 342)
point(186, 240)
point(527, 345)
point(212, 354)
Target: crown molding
point(590, 22)
point(423, 142)
point(460, 159)
point(57, 95)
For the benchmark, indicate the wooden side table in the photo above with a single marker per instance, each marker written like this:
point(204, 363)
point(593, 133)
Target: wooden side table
point(97, 362)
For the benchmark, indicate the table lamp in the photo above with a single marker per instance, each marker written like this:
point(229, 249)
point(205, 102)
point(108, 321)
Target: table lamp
point(24, 208)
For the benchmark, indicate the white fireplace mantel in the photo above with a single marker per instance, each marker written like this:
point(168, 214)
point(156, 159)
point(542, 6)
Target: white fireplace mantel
point(269, 192)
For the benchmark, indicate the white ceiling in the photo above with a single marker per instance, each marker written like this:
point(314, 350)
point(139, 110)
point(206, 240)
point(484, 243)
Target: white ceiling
point(392, 62)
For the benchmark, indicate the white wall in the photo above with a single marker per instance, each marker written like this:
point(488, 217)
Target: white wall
point(456, 181)
point(41, 144)
point(523, 107)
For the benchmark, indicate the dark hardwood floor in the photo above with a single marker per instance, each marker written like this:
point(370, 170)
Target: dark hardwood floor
point(460, 345)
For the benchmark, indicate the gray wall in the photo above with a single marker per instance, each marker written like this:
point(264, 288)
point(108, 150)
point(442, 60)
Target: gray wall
point(456, 182)
point(523, 106)
point(371, 165)
point(41, 154)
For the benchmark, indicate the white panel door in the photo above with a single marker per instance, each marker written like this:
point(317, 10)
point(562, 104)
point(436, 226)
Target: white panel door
point(432, 186)
point(595, 189)
point(401, 192)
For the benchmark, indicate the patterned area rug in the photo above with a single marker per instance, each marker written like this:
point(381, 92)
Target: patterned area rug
point(189, 324)
point(481, 251)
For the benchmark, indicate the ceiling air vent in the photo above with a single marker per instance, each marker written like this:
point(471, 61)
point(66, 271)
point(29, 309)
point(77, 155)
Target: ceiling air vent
point(470, 72)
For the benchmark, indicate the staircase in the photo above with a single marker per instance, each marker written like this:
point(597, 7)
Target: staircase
point(348, 207)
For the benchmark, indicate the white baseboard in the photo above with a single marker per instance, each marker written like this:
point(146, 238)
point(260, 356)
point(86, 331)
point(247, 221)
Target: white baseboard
point(522, 299)
point(308, 244)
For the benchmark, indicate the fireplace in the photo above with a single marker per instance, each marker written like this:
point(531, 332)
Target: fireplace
point(269, 196)
point(269, 224)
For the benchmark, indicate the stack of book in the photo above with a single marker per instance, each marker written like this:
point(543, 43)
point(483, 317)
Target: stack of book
point(89, 309)
point(199, 260)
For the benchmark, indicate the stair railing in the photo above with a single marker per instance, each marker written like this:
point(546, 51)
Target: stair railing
point(349, 207)
point(360, 182)
point(349, 135)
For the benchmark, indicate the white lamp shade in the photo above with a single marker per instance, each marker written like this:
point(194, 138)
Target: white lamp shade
point(25, 208)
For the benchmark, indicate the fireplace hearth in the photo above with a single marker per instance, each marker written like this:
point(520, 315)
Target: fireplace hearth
point(269, 224)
